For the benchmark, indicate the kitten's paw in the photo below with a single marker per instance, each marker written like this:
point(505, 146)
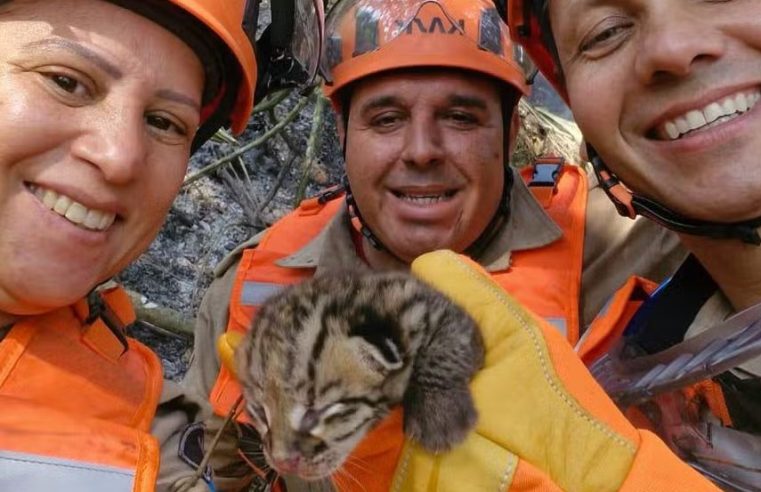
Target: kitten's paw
point(438, 420)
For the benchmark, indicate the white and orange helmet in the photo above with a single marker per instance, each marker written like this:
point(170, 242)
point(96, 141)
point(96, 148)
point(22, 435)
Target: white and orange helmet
point(367, 37)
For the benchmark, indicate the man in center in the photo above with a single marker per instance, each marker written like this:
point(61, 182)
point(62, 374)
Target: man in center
point(425, 95)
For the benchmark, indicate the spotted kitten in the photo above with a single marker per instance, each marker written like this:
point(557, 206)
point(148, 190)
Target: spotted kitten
point(328, 358)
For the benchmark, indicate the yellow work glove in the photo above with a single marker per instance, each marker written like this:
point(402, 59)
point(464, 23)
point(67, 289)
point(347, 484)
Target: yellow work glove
point(544, 423)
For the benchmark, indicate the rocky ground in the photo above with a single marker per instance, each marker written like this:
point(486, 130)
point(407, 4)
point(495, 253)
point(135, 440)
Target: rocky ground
point(212, 215)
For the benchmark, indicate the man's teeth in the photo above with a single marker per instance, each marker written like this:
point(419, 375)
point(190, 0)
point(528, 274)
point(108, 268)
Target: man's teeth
point(74, 212)
point(425, 199)
point(715, 113)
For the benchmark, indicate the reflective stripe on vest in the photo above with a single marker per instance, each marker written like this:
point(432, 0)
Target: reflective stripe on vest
point(560, 324)
point(70, 393)
point(255, 293)
point(32, 473)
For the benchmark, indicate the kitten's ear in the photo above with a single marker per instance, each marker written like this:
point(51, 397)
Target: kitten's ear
point(381, 354)
point(377, 341)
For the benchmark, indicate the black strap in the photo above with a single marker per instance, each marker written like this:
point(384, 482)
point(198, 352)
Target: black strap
point(743, 399)
point(746, 231)
point(277, 67)
point(497, 221)
point(663, 320)
point(98, 308)
point(4, 330)
point(251, 20)
point(283, 16)
point(474, 250)
point(330, 194)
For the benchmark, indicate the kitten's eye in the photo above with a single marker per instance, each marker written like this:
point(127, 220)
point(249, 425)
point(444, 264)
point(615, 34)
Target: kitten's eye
point(333, 409)
point(338, 412)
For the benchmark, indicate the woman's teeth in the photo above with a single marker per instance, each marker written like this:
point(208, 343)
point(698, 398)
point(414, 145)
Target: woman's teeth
point(74, 212)
point(713, 114)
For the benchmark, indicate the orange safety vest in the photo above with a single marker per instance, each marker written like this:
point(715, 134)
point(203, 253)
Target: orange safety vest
point(547, 280)
point(609, 326)
point(76, 405)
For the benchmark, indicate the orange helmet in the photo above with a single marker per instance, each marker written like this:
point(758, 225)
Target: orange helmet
point(226, 19)
point(529, 26)
point(366, 37)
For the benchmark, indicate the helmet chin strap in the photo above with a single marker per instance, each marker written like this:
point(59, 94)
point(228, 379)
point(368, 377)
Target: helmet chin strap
point(631, 204)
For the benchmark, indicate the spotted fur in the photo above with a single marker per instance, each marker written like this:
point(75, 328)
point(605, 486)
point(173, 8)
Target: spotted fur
point(328, 358)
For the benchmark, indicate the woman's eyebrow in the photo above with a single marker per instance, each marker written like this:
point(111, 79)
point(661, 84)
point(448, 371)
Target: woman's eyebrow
point(74, 47)
point(178, 97)
point(108, 67)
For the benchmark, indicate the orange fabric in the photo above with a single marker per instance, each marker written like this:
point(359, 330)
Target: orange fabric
point(530, 479)
point(608, 327)
point(374, 460)
point(99, 338)
point(543, 195)
point(52, 379)
point(657, 469)
point(548, 280)
point(707, 393)
point(288, 235)
point(27, 427)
